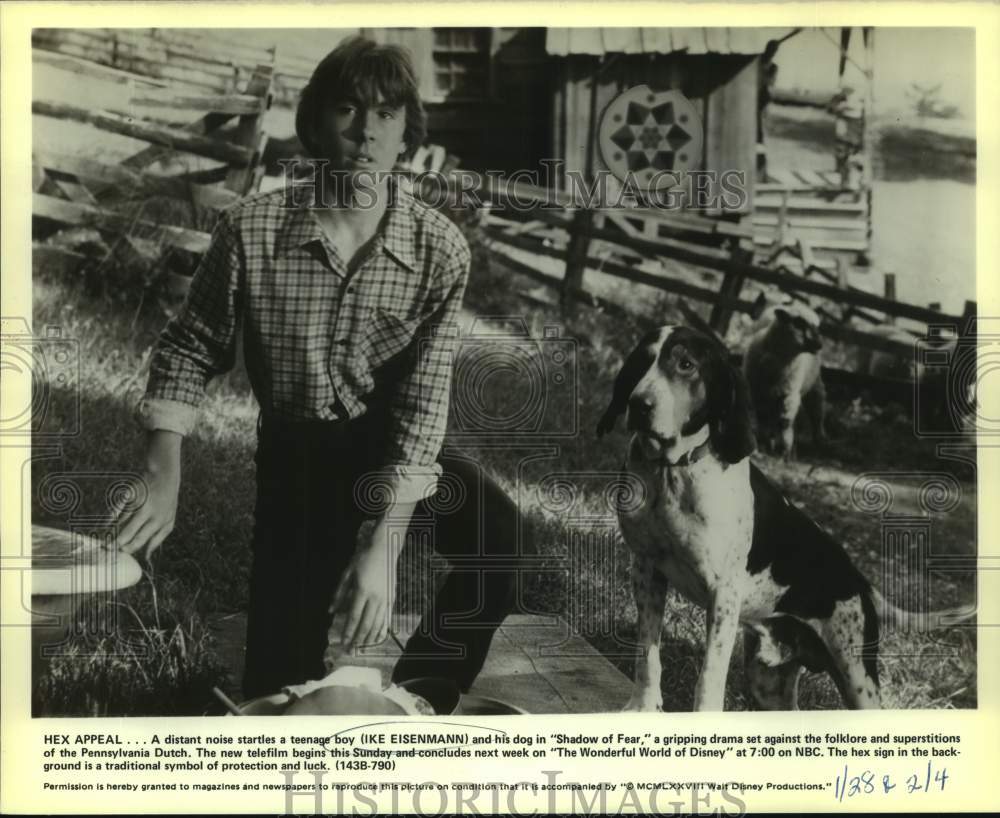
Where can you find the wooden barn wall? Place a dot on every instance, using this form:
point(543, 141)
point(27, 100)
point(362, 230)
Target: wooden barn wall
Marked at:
point(419, 42)
point(723, 89)
point(509, 128)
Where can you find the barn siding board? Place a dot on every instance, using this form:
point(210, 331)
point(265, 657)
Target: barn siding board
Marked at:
point(716, 40)
point(731, 136)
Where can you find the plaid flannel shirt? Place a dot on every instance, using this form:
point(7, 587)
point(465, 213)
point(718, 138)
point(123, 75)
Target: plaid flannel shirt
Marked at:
point(315, 336)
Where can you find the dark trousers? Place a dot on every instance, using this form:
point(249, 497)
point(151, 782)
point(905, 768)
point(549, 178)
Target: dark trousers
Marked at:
point(306, 521)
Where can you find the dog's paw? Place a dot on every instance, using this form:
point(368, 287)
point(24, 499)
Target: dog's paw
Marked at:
point(643, 702)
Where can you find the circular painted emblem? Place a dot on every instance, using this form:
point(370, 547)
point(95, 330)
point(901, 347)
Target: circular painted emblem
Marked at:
point(650, 136)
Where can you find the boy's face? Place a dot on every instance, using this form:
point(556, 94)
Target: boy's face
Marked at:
point(362, 138)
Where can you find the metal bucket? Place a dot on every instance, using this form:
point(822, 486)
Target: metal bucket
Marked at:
point(472, 705)
point(441, 694)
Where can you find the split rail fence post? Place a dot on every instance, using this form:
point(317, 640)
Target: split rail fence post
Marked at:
point(576, 253)
point(732, 285)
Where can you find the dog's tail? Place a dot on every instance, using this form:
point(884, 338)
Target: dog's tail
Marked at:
point(919, 621)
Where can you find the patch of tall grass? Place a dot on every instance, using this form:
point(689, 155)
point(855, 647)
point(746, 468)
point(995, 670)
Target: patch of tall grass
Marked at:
point(150, 655)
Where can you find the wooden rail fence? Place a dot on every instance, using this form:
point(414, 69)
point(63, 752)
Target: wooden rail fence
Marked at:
point(196, 59)
point(80, 191)
point(557, 229)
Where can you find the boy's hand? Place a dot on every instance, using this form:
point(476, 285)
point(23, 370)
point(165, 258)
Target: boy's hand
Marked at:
point(147, 526)
point(368, 587)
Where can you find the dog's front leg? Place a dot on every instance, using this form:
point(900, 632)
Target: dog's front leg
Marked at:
point(723, 620)
point(650, 589)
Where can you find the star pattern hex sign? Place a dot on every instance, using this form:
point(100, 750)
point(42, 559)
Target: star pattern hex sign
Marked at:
point(650, 136)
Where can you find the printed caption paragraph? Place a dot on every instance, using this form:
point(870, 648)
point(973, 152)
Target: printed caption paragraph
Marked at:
point(390, 760)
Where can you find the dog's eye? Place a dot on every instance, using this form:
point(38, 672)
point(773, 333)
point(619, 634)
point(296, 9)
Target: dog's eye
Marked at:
point(685, 365)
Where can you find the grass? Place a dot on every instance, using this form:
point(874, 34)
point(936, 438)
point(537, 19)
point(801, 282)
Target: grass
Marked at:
point(157, 660)
point(203, 568)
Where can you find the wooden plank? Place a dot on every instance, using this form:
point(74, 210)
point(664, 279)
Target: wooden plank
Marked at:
point(668, 284)
point(819, 264)
point(569, 199)
point(203, 125)
point(828, 329)
point(235, 104)
point(202, 195)
point(578, 676)
point(766, 239)
point(576, 252)
point(802, 223)
point(772, 201)
point(535, 662)
point(668, 234)
point(168, 137)
point(801, 96)
point(521, 228)
point(521, 268)
point(605, 265)
point(206, 176)
point(200, 77)
point(623, 222)
point(732, 286)
point(123, 46)
point(529, 243)
point(58, 210)
point(243, 176)
point(810, 178)
point(76, 192)
point(213, 59)
point(237, 50)
point(731, 130)
point(139, 66)
point(779, 181)
point(224, 74)
point(782, 280)
point(91, 69)
point(55, 260)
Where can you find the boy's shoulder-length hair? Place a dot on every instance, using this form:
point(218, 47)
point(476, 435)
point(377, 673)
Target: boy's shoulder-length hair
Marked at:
point(362, 70)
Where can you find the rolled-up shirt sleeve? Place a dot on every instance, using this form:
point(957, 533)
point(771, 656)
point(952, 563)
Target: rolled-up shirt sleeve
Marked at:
point(200, 342)
point(418, 409)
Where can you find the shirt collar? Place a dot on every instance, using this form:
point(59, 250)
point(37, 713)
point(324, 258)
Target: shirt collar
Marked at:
point(399, 235)
point(398, 232)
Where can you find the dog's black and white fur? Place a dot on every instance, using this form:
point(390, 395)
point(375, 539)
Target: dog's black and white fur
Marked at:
point(727, 539)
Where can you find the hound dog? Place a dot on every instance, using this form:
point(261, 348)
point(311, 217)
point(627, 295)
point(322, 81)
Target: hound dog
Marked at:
point(727, 538)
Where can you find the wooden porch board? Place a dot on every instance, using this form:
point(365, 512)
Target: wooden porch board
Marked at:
point(535, 662)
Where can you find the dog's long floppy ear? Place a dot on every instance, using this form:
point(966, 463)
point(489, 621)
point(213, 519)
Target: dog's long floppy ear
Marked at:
point(636, 365)
point(731, 426)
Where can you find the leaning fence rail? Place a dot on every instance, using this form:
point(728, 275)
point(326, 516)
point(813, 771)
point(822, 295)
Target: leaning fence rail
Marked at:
point(559, 228)
point(76, 191)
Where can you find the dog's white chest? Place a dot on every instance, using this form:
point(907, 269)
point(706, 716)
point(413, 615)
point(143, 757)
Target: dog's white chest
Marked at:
point(696, 524)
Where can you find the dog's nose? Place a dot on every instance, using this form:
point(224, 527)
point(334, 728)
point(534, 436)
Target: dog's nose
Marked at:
point(640, 406)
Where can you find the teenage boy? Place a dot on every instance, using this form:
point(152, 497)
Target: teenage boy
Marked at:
point(346, 291)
